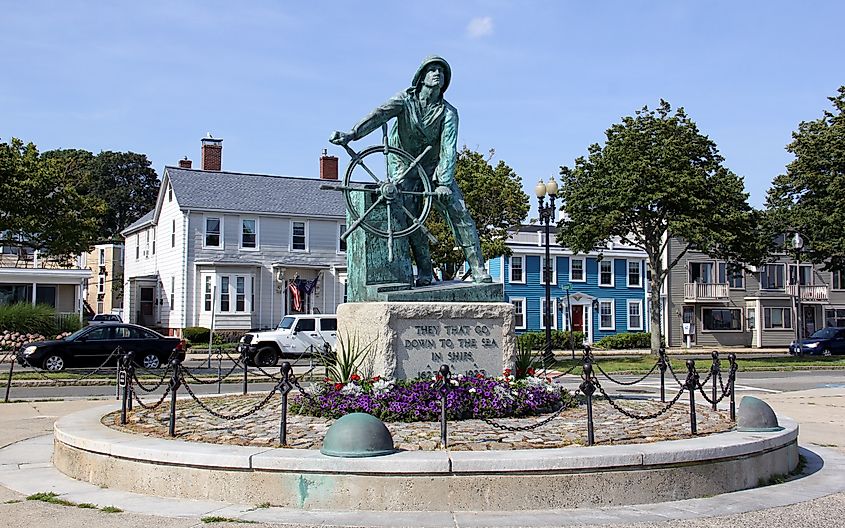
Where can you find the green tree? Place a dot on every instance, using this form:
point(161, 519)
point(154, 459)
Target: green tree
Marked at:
point(496, 202)
point(656, 175)
point(44, 206)
point(810, 195)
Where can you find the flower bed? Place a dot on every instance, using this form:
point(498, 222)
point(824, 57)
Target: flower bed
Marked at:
point(419, 400)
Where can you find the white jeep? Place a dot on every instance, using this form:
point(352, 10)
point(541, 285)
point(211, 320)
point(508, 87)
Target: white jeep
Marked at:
point(296, 336)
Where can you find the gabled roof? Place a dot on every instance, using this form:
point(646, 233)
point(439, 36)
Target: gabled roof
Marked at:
point(254, 193)
point(238, 192)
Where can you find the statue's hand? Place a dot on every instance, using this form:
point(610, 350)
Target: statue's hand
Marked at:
point(340, 138)
point(443, 192)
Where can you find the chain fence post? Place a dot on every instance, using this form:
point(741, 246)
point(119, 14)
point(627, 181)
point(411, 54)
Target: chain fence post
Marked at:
point(662, 365)
point(714, 375)
point(285, 385)
point(130, 374)
point(117, 390)
point(444, 391)
point(12, 362)
point(732, 384)
point(246, 371)
point(692, 385)
point(588, 388)
point(175, 382)
point(123, 387)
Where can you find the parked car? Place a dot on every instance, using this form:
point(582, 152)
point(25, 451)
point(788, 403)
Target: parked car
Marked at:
point(92, 345)
point(105, 318)
point(825, 342)
point(296, 336)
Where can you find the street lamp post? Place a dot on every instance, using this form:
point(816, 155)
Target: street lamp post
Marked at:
point(547, 213)
point(798, 245)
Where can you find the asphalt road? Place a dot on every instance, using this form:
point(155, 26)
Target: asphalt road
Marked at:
point(747, 382)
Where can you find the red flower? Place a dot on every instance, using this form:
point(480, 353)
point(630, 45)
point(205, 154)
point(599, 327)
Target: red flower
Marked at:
point(531, 371)
point(439, 377)
point(479, 376)
point(327, 379)
point(507, 372)
point(354, 377)
point(338, 386)
point(376, 378)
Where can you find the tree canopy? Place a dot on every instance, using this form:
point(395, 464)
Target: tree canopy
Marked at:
point(43, 204)
point(657, 174)
point(810, 196)
point(496, 202)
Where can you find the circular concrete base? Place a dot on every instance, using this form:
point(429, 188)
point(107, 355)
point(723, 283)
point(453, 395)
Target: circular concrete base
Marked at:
point(536, 479)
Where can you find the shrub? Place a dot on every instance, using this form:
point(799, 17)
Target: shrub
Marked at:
point(625, 340)
point(26, 318)
point(196, 334)
point(560, 340)
point(69, 323)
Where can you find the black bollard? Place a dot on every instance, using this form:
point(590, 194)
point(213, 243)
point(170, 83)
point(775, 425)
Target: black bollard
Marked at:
point(732, 384)
point(692, 385)
point(175, 383)
point(9, 380)
point(246, 371)
point(117, 390)
point(130, 373)
point(714, 375)
point(662, 365)
point(123, 386)
point(219, 368)
point(285, 386)
point(444, 391)
point(588, 388)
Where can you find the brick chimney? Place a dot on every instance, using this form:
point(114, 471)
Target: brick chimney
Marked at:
point(185, 163)
point(212, 153)
point(328, 166)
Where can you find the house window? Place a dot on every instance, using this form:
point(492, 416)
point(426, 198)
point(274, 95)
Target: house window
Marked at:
point(607, 319)
point(173, 234)
point(777, 318)
point(517, 272)
point(805, 274)
point(838, 280)
point(341, 243)
point(102, 259)
point(751, 318)
point(249, 233)
point(635, 274)
point(736, 277)
point(172, 291)
point(251, 293)
point(298, 236)
point(100, 307)
point(722, 319)
point(701, 273)
point(519, 313)
point(153, 247)
point(552, 315)
point(577, 274)
point(224, 294)
point(138, 246)
point(552, 271)
point(635, 314)
point(101, 284)
point(212, 232)
point(834, 317)
point(207, 294)
point(606, 273)
point(771, 277)
point(240, 294)
point(169, 193)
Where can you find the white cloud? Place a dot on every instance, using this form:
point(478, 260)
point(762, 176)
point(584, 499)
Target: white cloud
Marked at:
point(480, 27)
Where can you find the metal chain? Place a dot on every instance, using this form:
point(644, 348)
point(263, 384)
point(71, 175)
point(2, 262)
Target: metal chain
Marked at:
point(271, 376)
point(158, 384)
point(618, 382)
point(680, 383)
point(209, 382)
point(514, 428)
point(635, 416)
point(302, 391)
point(156, 404)
point(721, 382)
point(709, 375)
point(224, 416)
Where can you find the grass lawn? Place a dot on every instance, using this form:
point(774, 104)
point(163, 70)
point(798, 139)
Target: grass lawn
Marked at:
point(642, 364)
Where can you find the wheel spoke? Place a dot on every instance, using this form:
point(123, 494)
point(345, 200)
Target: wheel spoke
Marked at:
point(412, 166)
point(389, 233)
point(416, 221)
point(419, 193)
point(346, 188)
point(360, 219)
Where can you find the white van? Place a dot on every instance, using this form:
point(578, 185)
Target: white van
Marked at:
point(296, 336)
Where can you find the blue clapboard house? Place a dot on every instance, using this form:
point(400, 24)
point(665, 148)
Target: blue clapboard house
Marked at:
point(605, 294)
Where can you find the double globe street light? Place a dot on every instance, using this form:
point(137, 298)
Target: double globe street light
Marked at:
point(547, 213)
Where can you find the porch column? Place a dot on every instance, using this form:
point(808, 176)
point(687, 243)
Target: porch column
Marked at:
point(34, 288)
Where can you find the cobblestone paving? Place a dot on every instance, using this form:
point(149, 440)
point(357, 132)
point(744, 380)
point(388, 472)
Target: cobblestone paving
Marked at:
point(569, 429)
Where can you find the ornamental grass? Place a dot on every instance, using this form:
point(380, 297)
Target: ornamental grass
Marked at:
point(419, 400)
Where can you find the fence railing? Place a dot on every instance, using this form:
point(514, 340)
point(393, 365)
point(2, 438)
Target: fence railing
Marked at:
point(697, 291)
point(809, 292)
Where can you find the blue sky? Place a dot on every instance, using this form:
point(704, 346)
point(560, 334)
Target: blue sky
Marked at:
point(536, 81)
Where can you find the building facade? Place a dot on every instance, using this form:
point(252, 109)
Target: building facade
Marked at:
point(234, 251)
point(604, 293)
point(713, 303)
point(104, 292)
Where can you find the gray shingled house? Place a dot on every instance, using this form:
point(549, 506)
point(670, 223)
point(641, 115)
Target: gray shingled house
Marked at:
point(249, 248)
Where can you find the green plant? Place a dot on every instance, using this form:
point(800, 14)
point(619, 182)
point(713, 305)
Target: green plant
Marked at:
point(52, 498)
point(625, 340)
point(196, 334)
point(346, 359)
point(218, 519)
point(560, 340)
point(28, 318)
point(110, 509)
point(68, 323)
point(524, 361)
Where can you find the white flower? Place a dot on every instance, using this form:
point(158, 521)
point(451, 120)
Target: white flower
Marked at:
point(454, 382)
point(472, 390)
point(502, 392)
point(382, 386)
point(351, 388)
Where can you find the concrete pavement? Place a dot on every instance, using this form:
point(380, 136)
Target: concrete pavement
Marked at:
point(821, 413)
